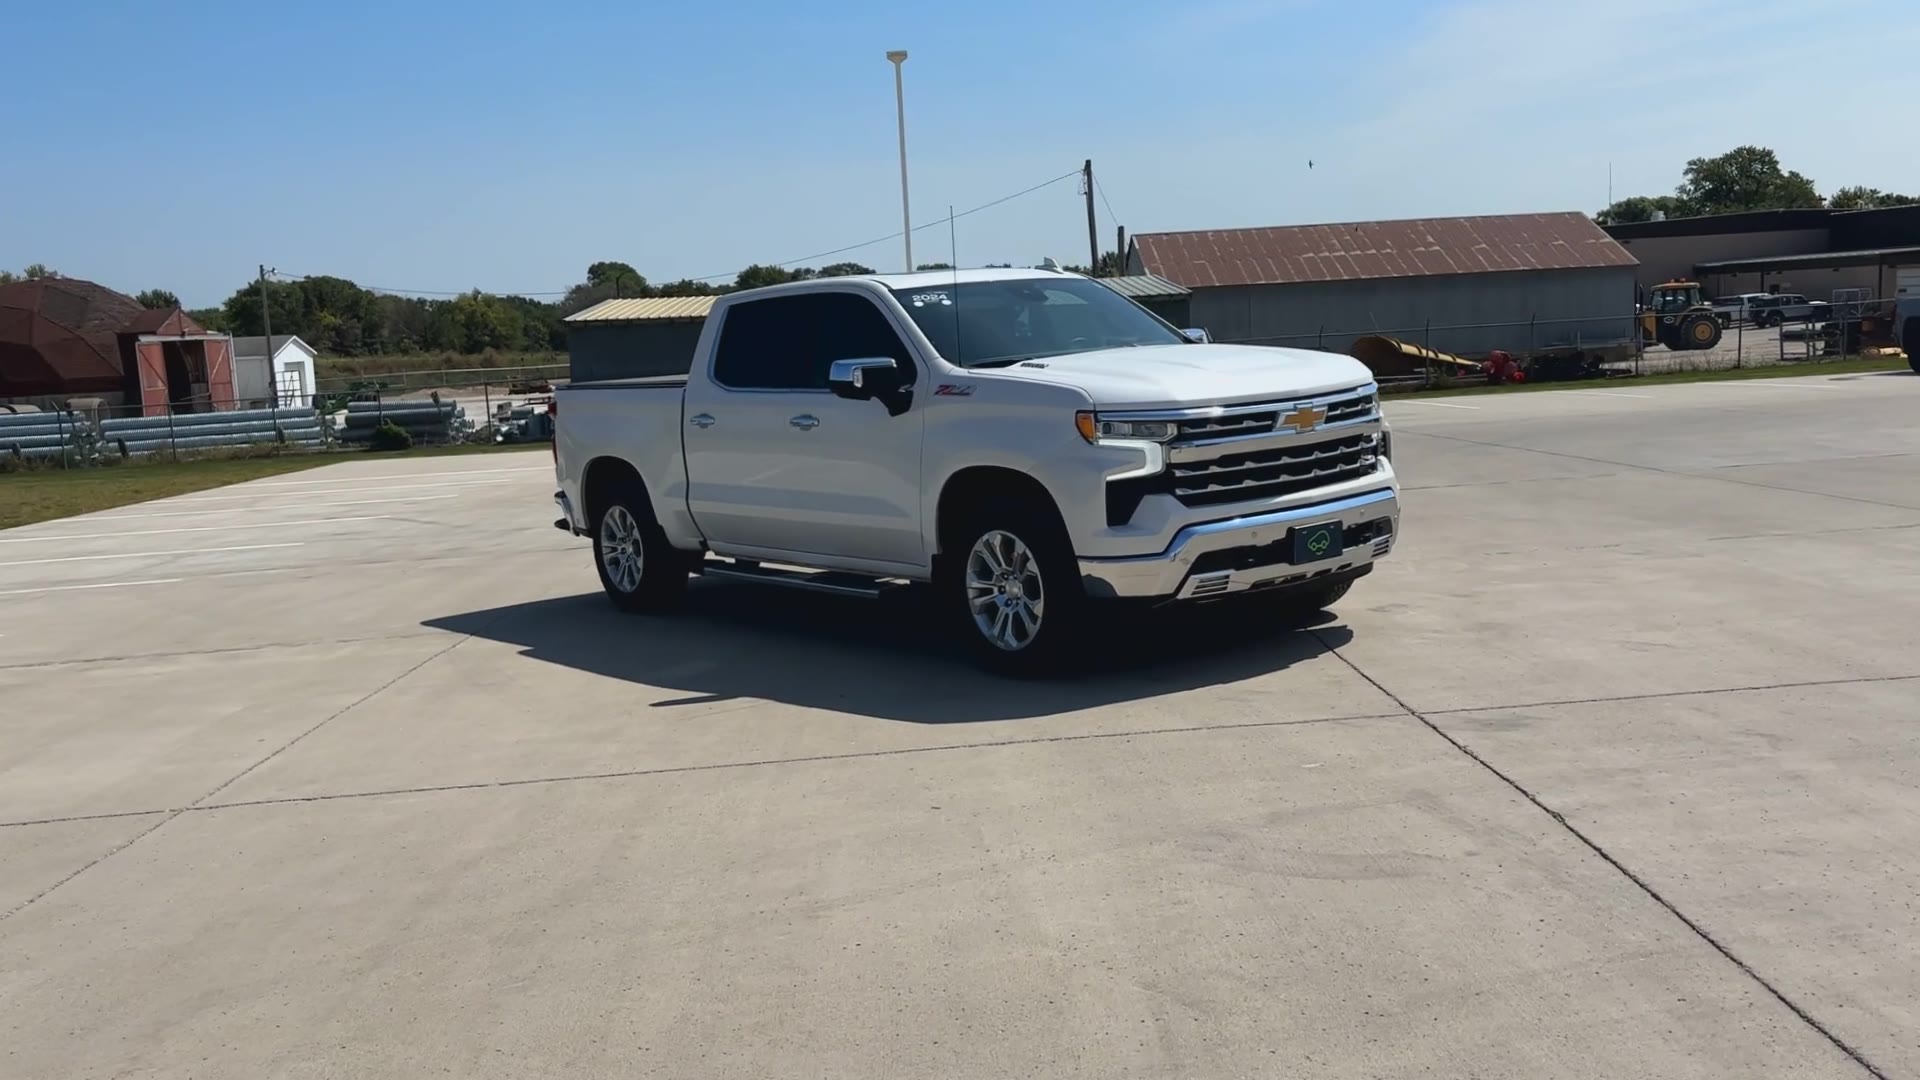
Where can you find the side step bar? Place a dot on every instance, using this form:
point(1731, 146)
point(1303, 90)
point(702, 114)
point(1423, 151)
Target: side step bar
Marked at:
point(825, 581)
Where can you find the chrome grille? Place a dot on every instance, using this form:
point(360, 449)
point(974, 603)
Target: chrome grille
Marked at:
point(1243, 421)
point(1263, 474)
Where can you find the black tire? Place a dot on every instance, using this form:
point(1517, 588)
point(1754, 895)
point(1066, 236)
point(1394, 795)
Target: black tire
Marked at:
point(1700, 332)
point(624, 528)
point(1910, 341)
point(1033, 553)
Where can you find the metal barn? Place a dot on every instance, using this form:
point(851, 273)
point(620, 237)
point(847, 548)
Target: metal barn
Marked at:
point(628, 339)
point(1516, 282)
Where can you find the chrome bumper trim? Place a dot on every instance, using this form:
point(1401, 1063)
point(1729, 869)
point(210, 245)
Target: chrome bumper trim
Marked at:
point(1169, 574)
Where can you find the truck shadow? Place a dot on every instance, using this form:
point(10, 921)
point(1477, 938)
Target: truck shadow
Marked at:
point(884, 659)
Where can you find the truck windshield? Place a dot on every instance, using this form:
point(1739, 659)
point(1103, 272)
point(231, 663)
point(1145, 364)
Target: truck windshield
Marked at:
point(996, 323)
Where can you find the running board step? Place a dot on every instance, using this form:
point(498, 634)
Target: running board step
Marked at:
point(826, 581)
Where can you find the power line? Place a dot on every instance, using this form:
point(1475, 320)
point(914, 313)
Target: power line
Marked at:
point(896, 234)
point(1104, 202)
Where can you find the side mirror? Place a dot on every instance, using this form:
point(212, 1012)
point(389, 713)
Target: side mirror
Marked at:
point(863, 379)
point(1197, 335)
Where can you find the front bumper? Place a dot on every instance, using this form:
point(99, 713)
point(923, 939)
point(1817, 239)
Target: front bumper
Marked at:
point(1218, 558)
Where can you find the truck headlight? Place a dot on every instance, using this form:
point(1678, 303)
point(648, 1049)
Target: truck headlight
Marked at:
point(1093, 428)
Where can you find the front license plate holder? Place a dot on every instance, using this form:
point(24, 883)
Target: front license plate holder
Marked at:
point(1317, 543)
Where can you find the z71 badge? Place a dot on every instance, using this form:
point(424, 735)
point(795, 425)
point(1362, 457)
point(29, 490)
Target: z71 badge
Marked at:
point(953, 390)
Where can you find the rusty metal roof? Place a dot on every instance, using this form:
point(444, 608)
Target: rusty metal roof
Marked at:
point(646, 309)
point(60, 336)
point(1366, 250)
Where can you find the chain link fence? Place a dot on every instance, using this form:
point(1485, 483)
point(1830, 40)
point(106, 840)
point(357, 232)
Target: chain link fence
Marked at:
point(1616, 345)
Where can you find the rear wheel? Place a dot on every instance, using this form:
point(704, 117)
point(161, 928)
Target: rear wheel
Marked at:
point(639, 570)
point(1700, 331)
point(1012, 589)
point(1910, 340)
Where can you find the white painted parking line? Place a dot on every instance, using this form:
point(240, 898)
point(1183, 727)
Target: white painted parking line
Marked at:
point(397, 476)
point(99, 585)
point(1436, 405)
point(338, 491)
point(1609, 393)
point(270, 509)
point(1769, 384)
point(155, 554)
point(189, 529)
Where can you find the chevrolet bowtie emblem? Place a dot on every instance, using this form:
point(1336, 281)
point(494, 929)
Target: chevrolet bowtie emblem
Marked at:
point(1304, 418)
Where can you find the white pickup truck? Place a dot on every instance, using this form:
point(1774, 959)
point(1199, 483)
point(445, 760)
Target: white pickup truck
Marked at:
point(1030, 442)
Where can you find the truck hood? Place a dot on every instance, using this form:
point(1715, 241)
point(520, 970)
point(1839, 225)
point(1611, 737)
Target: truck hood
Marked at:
point(1179, 376)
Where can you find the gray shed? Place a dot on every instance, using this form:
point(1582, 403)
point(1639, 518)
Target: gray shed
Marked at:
point(1517, 282)
point(626, 339)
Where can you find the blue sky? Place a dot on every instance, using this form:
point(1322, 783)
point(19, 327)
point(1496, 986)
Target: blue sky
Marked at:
point(442, 146)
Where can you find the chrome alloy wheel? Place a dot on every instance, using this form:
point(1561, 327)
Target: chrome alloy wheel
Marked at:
point(621, 548)
point(1004, 590)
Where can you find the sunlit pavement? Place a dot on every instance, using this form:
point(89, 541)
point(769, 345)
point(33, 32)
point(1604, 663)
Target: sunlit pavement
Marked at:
point(1609, 772)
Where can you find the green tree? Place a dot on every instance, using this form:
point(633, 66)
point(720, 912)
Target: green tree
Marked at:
point(934, 266)
point(1640, 208)
point(1110, 265)
point(844, 269)
point(1866, 198)
point(689, 287)
point(1744, 178)
point(758, 275)
point(242, 310)
point(36, 271)
point(212, 319)
point(622, 279)
point(156, 299)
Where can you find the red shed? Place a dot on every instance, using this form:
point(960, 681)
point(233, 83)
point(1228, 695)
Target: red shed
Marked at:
point(64, 337)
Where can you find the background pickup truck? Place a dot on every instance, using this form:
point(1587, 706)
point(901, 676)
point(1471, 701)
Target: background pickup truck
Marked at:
point(1029, 442)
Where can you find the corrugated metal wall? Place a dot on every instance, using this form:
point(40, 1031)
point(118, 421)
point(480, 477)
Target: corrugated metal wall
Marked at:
point(630, 350)
point(1564, 307)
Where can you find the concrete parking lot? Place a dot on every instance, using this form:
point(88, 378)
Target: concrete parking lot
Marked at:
point(1610, 772)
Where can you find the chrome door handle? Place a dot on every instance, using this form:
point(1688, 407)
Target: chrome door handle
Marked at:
point(700, 420)
point(805, 422)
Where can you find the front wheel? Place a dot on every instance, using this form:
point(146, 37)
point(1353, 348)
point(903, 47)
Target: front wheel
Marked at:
point(1910, 341)
point(639, 569)
point(1013, 588)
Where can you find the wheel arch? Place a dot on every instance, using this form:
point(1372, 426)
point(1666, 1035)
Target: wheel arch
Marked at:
point(600, 479)
point(974, 484)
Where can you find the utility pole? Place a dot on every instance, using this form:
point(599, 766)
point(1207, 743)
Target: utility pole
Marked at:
point(898, 57)
point(266, 327)
point(1093, 237)
point(1120, 249)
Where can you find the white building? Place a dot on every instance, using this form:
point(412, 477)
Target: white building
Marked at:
point(291, 380)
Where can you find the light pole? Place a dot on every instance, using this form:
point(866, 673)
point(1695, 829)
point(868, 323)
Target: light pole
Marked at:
point(899, 57)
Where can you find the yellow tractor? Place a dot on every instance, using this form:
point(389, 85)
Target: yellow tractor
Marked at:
point(1675, 315)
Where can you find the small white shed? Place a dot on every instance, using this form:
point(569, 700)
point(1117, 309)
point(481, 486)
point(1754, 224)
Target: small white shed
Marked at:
point(285, 378)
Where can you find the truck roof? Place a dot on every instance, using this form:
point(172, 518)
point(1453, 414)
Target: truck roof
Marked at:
point(923, 278)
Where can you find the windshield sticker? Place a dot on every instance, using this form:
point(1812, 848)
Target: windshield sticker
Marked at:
point(922, 299)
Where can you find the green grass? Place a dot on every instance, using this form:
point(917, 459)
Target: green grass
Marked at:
point(1854, 366)
point(43, 494)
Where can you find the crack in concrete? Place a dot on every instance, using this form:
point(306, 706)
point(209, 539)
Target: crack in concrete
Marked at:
point(1858, 1057)
point(1758, 687)
point(201, 806)
point(170, 815)
point(222, 651)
